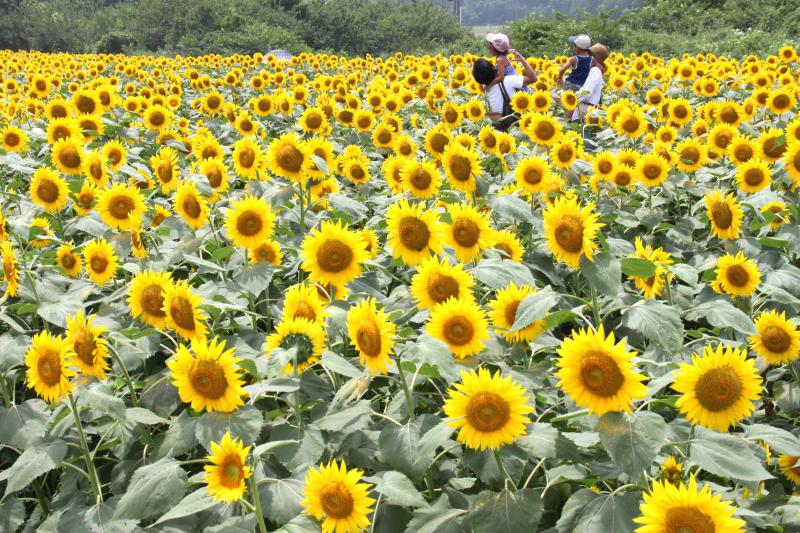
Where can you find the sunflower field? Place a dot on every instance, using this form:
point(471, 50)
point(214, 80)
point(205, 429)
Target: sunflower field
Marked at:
point(243, 294)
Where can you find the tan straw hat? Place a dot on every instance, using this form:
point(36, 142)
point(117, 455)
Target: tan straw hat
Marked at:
point(599, 51)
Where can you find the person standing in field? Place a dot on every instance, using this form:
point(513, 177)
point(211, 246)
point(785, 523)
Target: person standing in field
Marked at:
point(579, 64)
point(499, 94)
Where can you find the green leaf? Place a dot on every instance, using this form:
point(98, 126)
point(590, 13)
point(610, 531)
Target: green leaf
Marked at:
point(603, 273)
point(355, 211)
point(12, 514)
point(656, 321)
point(544, 441)
point(350, 418)
point(409, 449)
point(200, 262)
point(573, 509)
point(610, 513)
point(308, 447)
point(154, 489)
point(179, 438)
point(101, 401)
point(398, 489)
point(685, 273)
point(506, 511)
point(24, 424)
point(638, 267)
point(340, 365)
point(725, 455)
point(254, 278)
point(512, 208)
point(632, 440)
point(778, 439)
point(144, 416)
point(281, 498)
point(534, 307)
point(243, 423)
point(32, 463)
point(722, 314)
point(438, 518)
point(498, 273)
point(263, 449)
point(193, 503)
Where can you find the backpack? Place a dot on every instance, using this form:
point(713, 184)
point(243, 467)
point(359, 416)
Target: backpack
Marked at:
point(509, 116)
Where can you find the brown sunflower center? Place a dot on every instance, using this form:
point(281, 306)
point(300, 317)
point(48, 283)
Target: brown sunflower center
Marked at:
point(737, 275)
point(49, 367)
point(420, 178)
point(652, 171)
point(630, 124)
point(85, 346)
point(754, 177)
point(47, 190)
point(213, 101)
point(265, 253)
point(69, 157)
point(290, 158)
point(120, 206)
point(85, 104)
point(776, 339)
point(209, 151)
point(439, 142)
point(680, 112)
point(774, 147)
point(68, 261)
point(164, 171)
point(781, 101)
point(336, 500)
point(247, 157)
point(192, 206)
point(368, 337)
point(623, 178)
point(414, 233)
point(334, 256)
point(721, 215)
point(384, 136)
point(246, 125)
point(12, 139)
point(451, 115)
point(718, 389)
point(600, 374)
point(544, 131)
point(458, 330)
point(466, 232)
point(605, 166)
point(304, 310)
point(157, 118)
point(182, 313)
point(487, 412)
point(357, 173)
point(490, 141)
point(232, 473)
point(510, 312)
point(565, 153)
point(59, 111)
point(743, 153)
point(114, 156)
point(533, 175)
point(214, 177)
point(99, 264)
point(208, 378)
point(690, 155)
point(442, 287)
point(569, 234)
point(152, 300)
point(722, 140)
point(249, 223)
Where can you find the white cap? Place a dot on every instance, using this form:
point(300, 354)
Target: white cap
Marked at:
point(582, 41)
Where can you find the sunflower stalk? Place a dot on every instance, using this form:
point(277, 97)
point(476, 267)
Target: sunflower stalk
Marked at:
point(503, 471)
point(262, 526)
point(87, 455)
point(406, 391)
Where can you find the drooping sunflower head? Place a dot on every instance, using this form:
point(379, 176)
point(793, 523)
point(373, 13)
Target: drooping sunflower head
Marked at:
point(146, 297)
point(10, 270)
point(333, 254)
point(47, 361)
point(190, 206)
point(725, 215)
point(83, 338)
point(305, 339)
point(509, 245)
point(336, 495)
point(736, 275)
point(182, 311)
point(100, 259)
point(413, 232)
point(503, 313)
point(597, 373)
point(461, 324)
point(789, 466)
point(250, 221)
point(165, 168)
point(210, 379)
point(718, 388)
point(778, 339)
point(228, 471)
point(372, 334)
point(777, 213)
point(571, 229)
point(671, 508)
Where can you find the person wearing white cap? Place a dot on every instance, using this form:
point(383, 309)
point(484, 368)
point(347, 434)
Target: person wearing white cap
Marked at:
point(580, 63)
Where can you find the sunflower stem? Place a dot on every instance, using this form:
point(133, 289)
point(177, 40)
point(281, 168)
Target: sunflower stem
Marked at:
point(262, 526)
point(296, 394)
point(406, 391)
point(128, 381)
point(37, 488)
point(650, 198)
point(595, 308)
point(87, 456)
point(503, 471)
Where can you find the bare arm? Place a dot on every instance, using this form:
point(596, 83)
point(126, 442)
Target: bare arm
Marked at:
point(566, 66)
point(528, 75)
point(502, 62)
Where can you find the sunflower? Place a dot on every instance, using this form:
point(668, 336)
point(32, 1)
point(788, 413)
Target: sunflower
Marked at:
point(652, 286)
point(371, 242)
point(736, 275)
point(597, 373)
point(303, 301)
point(791, 160)
point(788, 465)
point(504, 312)
point(436, 281)
point(48, 190)
point(216, 173)
point(245, 125)
point(356, 170)
point(210, 379)
point(67, 259)
point(48, 360)
point(543, 129)
point(461, 324)
point(778, 339)
point(313, 120)
point(268, 251)
point(157, 117)
point(182, 311)
point(720, 137)
point(741, 149)
point(420, 178)
point(165, 167)
point(40, 232)
point(631, 123)
point(249, 222)
point(437, 139)
point(383, 136)
point(779, 211)
point(14, 139)
point(725, 215)
point(119, 205)
point(146, 297)
point(452, 114)
point(781, 101)
point(248, 158)
point(213, 103)
point(90, 349)
point(461, 166)
point(68, 156)
point(652, 170)
point(469, 233)
point(63, 128)
point(10, 271)
point(532, 173)
point(669, 508)
point(404, 146)
point(227, 474)
point(335, 495)
point(333, 254)
point(413, 232)
point(719, 388)
point(190, 206)
point(115, 153)
point(753, 176)
point(101, 261)
point(691, 154)
point(372, 334)
point(95, 169)
point(771, 145)
point(363, 120)
point(319, 149)
point(605, 165)
point(487, 138)
point(305, 337)
point(571, 229)
point(288, 158)
point(509, 245)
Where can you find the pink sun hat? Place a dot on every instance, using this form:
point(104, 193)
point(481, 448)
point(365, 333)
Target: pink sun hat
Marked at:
point(499, 41)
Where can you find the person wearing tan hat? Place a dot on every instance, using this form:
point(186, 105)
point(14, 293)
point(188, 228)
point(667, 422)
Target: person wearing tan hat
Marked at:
point(579, 63)
point(591, 92)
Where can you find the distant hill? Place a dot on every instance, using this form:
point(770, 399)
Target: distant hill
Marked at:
point(500, 12)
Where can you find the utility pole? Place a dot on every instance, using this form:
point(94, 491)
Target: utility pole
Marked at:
point(457, 10)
